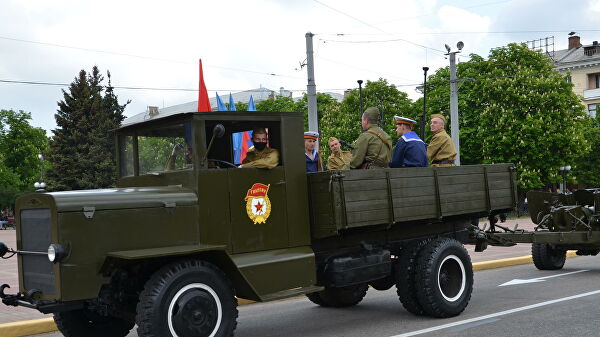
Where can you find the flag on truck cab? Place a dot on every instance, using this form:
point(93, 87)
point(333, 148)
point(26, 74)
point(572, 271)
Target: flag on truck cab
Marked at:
point(243, 143)
point(251, 106)
point(220, 105)
point(231, 104)
point(203, 102)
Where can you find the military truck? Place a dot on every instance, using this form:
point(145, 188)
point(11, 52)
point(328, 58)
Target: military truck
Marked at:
point(186, 232)
point(565, 221)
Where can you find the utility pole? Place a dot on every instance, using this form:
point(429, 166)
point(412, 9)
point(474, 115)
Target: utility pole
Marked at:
point(311, 88)
point(454, 100)
point(424, 102)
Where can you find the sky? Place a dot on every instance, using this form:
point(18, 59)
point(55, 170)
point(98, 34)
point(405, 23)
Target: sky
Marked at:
point(255, 43)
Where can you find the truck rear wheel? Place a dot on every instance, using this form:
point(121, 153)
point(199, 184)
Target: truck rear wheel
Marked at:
point(405, 278)
point(339, 297)
point(445, 277)
point(546, 257)
point(84, 322)
point(187, 298)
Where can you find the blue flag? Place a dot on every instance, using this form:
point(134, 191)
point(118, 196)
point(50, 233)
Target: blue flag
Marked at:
point(231, 104)
point(251, 106)
point(220, 105)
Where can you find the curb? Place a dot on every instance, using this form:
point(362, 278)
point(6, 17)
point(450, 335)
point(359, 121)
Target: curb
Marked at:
point(38, 326)
point(24, 328)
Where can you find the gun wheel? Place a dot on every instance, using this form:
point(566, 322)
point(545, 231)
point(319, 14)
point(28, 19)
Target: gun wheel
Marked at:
point(546, 257)
point(187, 298)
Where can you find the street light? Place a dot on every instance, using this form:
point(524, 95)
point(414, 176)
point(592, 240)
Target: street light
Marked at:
point(424, 102)
point(564, 170)
point(360, 82)
point(41, 185)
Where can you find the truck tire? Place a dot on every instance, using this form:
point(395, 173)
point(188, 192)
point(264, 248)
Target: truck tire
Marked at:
point(84, 322)
point(405, 278)
point(187, 298)
point(546, 257)
point(339, 297)
point(445, 277)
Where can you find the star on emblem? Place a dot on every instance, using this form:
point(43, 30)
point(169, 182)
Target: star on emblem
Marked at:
point(258, 206)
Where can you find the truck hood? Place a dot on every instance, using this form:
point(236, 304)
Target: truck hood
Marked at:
point(121, 198)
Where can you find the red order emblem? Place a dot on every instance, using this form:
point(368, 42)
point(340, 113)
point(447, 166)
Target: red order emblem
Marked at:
point(258, 205)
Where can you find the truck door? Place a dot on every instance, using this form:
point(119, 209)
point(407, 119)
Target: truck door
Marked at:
point(258, 209)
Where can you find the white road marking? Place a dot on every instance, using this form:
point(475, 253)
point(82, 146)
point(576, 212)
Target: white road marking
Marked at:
point(497, 314)
point(537, 279)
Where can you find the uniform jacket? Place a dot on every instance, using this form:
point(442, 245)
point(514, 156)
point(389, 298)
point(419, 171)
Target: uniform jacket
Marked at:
point(410, 151)
point(441, 147)
point(267, 158)
point(338, 160)
point(370, 148)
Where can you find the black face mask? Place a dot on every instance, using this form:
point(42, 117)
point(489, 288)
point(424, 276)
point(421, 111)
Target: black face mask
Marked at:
point(260, 146)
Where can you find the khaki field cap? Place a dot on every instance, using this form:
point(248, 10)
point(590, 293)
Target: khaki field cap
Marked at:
point(440, 116)
point(371, 114)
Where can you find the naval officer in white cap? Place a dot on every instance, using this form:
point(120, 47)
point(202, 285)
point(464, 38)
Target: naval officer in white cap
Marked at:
point(410, 150)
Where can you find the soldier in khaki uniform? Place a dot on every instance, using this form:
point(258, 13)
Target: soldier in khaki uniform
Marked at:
point(338, 158)
point(373, 148)
point(260, 155)
point(441, 150)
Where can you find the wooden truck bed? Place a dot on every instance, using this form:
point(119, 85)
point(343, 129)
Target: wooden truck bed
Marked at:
point(341, 200)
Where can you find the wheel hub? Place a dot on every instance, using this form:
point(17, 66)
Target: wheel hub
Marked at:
point(195, 313)
point(451, 278)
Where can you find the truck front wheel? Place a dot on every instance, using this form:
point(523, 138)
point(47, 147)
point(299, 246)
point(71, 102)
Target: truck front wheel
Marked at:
point(187, 298)
point(546, 257)
point(339, 297)
point(84, 322)
point(445, 277)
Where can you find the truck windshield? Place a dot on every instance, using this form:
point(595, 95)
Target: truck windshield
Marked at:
point(166, 148)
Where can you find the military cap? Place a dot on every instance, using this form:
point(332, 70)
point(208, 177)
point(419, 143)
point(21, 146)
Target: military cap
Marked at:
point(404, 120)
point(311, 135)
point(440, 116)
point(371, 114)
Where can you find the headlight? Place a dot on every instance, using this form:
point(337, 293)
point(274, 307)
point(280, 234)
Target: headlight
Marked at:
point(56, 253)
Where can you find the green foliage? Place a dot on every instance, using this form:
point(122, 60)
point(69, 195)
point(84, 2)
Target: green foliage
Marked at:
point(82, 149)
point(343, 121)
point(517, 109)
point(20, 144)
point(586, 168)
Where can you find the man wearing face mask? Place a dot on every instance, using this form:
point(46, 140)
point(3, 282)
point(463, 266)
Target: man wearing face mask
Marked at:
point(260, 155)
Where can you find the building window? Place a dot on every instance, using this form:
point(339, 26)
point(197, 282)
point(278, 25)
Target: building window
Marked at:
point(594, 81)
point(569, 78)
point(597, 77)
point(592, 110)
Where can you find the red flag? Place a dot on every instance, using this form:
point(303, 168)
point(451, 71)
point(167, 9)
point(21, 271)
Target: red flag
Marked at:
point(203, 101)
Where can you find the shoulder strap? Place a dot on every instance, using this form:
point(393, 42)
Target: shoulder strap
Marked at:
point(380, 138)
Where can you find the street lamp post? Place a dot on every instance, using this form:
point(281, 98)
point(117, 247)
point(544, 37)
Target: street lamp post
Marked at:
point(360, 95)
point(564, 171)
point(424, 102)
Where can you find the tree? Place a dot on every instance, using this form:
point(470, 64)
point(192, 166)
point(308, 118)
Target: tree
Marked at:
point(82, 149)
point(343, 121)
point(516, 108)
point(586, 167)
point(20, 145)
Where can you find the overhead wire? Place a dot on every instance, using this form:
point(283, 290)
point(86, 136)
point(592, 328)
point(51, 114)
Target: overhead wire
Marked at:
point(145, 57)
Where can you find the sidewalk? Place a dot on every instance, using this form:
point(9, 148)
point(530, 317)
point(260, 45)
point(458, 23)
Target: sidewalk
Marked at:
point(8, 268)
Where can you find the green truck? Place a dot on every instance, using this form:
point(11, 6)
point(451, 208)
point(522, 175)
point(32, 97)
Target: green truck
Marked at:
point(187, 233)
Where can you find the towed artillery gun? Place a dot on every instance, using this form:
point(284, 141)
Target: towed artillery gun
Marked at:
point(563, 222)
point(174, 244)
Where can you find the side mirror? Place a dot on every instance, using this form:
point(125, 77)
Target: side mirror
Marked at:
point(218, 130)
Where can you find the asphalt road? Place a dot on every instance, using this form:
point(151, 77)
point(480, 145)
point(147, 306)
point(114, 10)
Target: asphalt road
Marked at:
point(564, 303)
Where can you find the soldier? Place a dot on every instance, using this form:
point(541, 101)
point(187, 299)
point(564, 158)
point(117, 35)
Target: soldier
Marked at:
point(441, 150)
point(338, 158)
point(260, 155)
point(311, 154)
point(373, 148)
point(410, 150)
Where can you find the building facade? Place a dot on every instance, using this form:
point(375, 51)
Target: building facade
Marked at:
point(582, 63)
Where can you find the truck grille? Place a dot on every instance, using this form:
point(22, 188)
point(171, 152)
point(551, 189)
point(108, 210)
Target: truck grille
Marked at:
point(35, 237)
